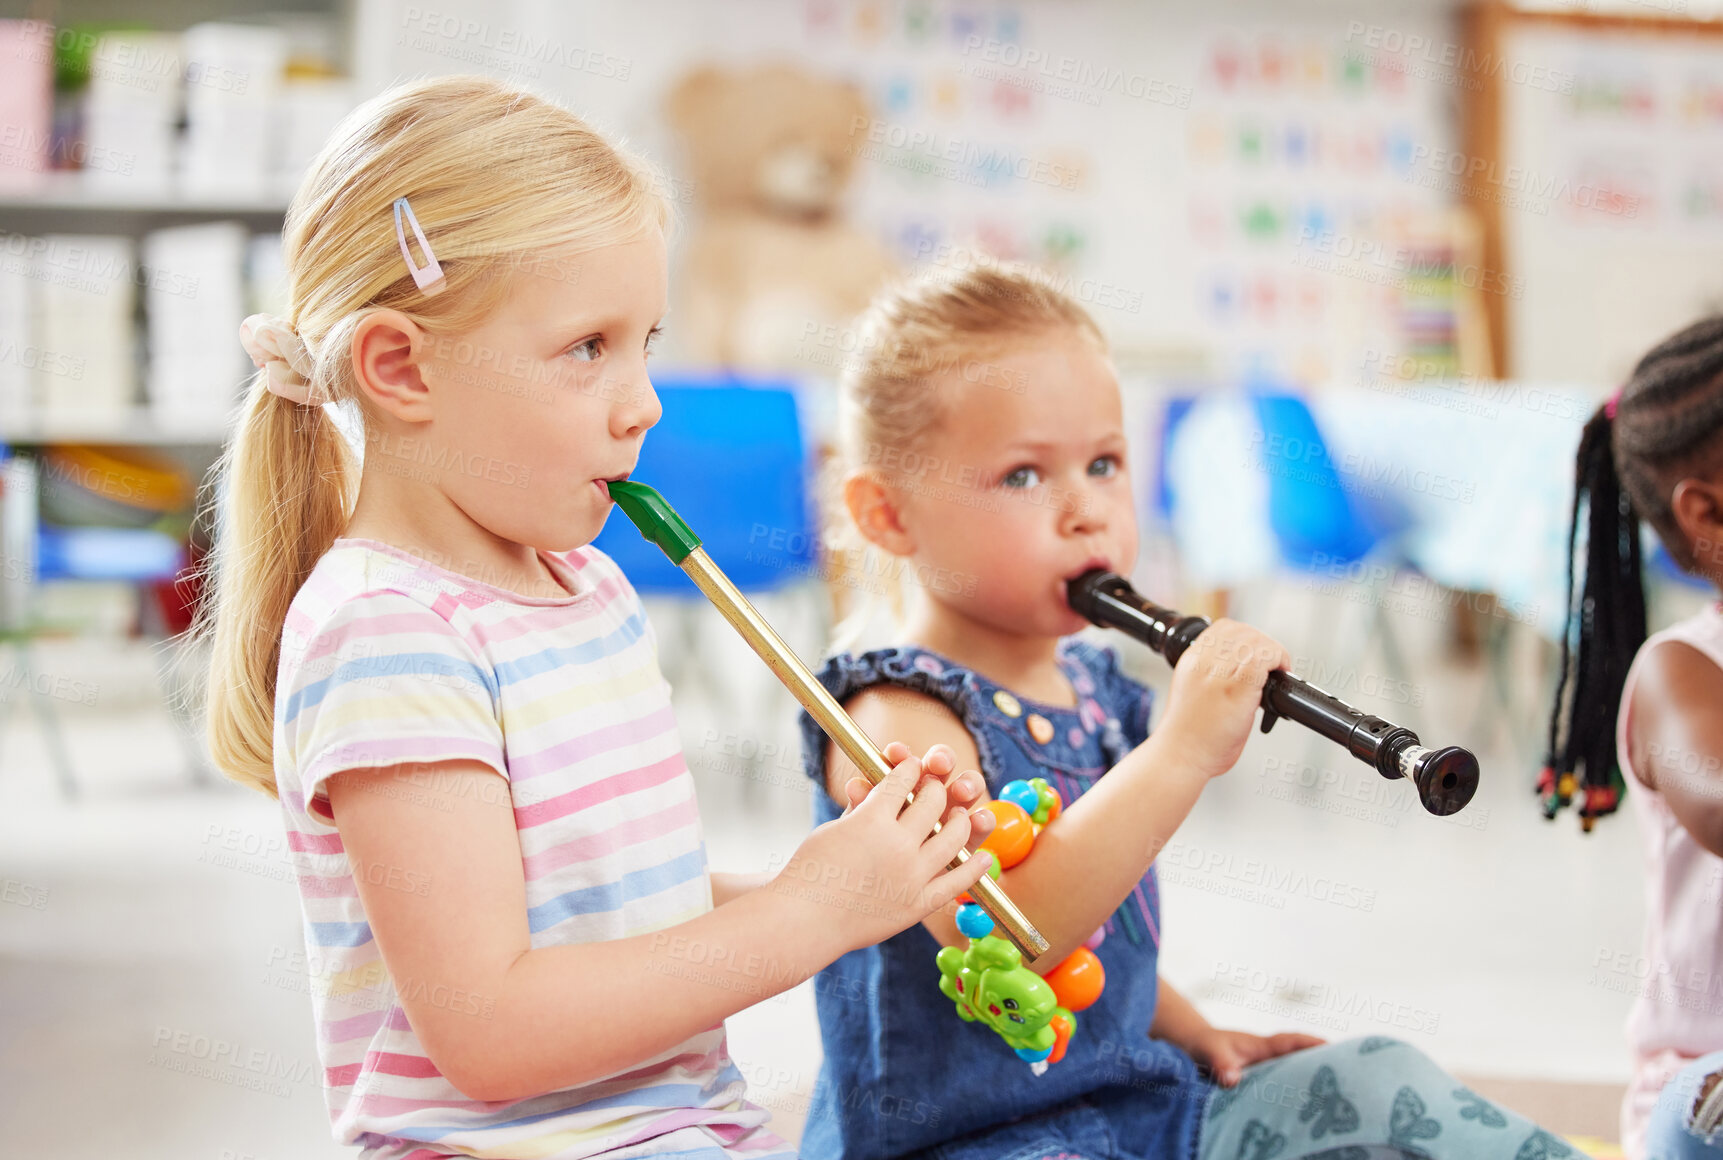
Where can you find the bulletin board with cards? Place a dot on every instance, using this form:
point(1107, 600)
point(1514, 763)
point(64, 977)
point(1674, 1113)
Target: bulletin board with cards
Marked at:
point(1601, 186)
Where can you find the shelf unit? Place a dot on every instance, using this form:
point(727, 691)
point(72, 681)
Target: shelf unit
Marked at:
point(131, 218)
point(69, 203)
point(65, 204)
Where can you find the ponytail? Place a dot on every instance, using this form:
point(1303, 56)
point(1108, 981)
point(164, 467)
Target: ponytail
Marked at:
point(1609, 623)
point(287, 482)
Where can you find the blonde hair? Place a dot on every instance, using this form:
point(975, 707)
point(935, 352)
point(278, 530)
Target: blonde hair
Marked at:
point(913, 338)
point(495, 176)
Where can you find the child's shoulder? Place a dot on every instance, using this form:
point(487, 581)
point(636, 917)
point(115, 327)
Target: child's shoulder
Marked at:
point(1094, 668)
point(361, 602)
point(355, 577)
point(364, 597)
point(847, 674)
point(361, 571)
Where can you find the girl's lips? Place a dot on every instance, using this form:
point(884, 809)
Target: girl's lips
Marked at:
point(604, 484)
point(1089, 566)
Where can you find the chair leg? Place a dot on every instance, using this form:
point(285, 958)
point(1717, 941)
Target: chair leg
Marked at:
point(1351, 637)
point(49, 719)
point(1498, 701)
point(1395, 660)
point(57, 753)
point(1376, 626)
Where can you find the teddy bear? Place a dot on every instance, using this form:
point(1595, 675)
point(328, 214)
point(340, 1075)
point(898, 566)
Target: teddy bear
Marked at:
point(772, 275)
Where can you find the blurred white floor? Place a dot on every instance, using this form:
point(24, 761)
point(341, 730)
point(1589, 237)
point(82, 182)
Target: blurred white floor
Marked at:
point(148, 1008)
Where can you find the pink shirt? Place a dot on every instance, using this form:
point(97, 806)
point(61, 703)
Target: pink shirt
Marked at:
point(1678, 1015)
point(387, 658)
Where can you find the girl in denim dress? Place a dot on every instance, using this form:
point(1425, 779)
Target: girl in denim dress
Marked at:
point(982, 448)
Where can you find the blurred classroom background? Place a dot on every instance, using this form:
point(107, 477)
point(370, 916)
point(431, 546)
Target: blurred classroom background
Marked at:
point(1366, 267)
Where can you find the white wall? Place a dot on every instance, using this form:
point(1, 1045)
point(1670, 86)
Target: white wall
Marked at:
point(1162, 190)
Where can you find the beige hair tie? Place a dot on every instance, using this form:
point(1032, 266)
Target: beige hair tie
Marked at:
point(280, 353)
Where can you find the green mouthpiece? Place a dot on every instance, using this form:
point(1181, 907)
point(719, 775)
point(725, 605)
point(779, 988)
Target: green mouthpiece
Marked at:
point(655, 518)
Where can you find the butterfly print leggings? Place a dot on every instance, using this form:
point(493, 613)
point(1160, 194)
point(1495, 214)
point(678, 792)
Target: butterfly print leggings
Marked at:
point(1365, 1099)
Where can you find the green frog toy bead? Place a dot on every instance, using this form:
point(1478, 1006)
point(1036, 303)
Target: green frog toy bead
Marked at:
point(988, 981)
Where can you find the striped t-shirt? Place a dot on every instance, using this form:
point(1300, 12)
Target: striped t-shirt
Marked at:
point(387, 658)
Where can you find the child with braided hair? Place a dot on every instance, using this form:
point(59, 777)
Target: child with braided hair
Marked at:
point(1650, 708)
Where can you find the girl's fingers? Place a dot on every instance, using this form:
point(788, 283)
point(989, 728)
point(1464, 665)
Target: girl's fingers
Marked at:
point(981, 824)
point(888, 796)
point(939, 760)
point(929, 804)
point(953, 834)
point(855, 789)
point(954, 882)
point(967, 788)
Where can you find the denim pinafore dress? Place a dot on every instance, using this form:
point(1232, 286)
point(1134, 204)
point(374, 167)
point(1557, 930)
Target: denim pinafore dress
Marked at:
point(902, 1072)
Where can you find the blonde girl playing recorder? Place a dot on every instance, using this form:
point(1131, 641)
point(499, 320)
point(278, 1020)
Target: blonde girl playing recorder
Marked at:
point(517, 949)
point(1002, 385)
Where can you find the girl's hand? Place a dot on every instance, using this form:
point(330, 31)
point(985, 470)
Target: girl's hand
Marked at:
point(1217, 689)
point(880, 869)
point(1227, 1053)
point(967, 789)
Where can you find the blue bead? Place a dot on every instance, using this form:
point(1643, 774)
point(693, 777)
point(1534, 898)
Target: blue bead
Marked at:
point(973, 921)
point(1030, 1055)
point(1021, 793)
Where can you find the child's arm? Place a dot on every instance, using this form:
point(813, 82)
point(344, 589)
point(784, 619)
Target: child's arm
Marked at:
point(556, 1017)
point(1675, 737)
point(728, 885)
point(1104, 842)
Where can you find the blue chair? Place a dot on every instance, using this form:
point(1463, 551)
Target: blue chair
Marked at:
point(1178, 409)
point(1664, 567)
point(134, 554)
point(729, 456)
point(1314, 514)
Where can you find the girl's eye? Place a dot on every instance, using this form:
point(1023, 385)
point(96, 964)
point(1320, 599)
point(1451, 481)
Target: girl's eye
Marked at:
point(652, 337)
point(1105, 465)
point(1021, 477)
point(587, 349)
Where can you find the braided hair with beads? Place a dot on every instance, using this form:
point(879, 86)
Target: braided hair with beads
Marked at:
point(1664, 425)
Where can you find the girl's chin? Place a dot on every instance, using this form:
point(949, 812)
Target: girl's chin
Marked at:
point(1072, 622)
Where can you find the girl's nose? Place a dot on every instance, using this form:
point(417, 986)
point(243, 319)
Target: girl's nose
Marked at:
point(1080, 514)
point(636, 409)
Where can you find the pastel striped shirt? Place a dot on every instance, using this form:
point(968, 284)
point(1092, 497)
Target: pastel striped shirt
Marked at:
point(387, 658)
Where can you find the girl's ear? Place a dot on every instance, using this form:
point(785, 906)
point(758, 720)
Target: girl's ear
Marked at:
point(875, 510)
point(1698, 508)
point(387, 346)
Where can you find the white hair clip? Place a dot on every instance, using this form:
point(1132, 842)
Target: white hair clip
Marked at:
point(429, 277)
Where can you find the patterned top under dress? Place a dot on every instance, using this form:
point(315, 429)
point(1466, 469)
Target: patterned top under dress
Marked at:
point(387, 659)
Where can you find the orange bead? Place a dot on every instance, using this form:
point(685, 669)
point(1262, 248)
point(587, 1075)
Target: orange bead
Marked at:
point(1061, 1037)
point(1077, 981)
point(1013, 833)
